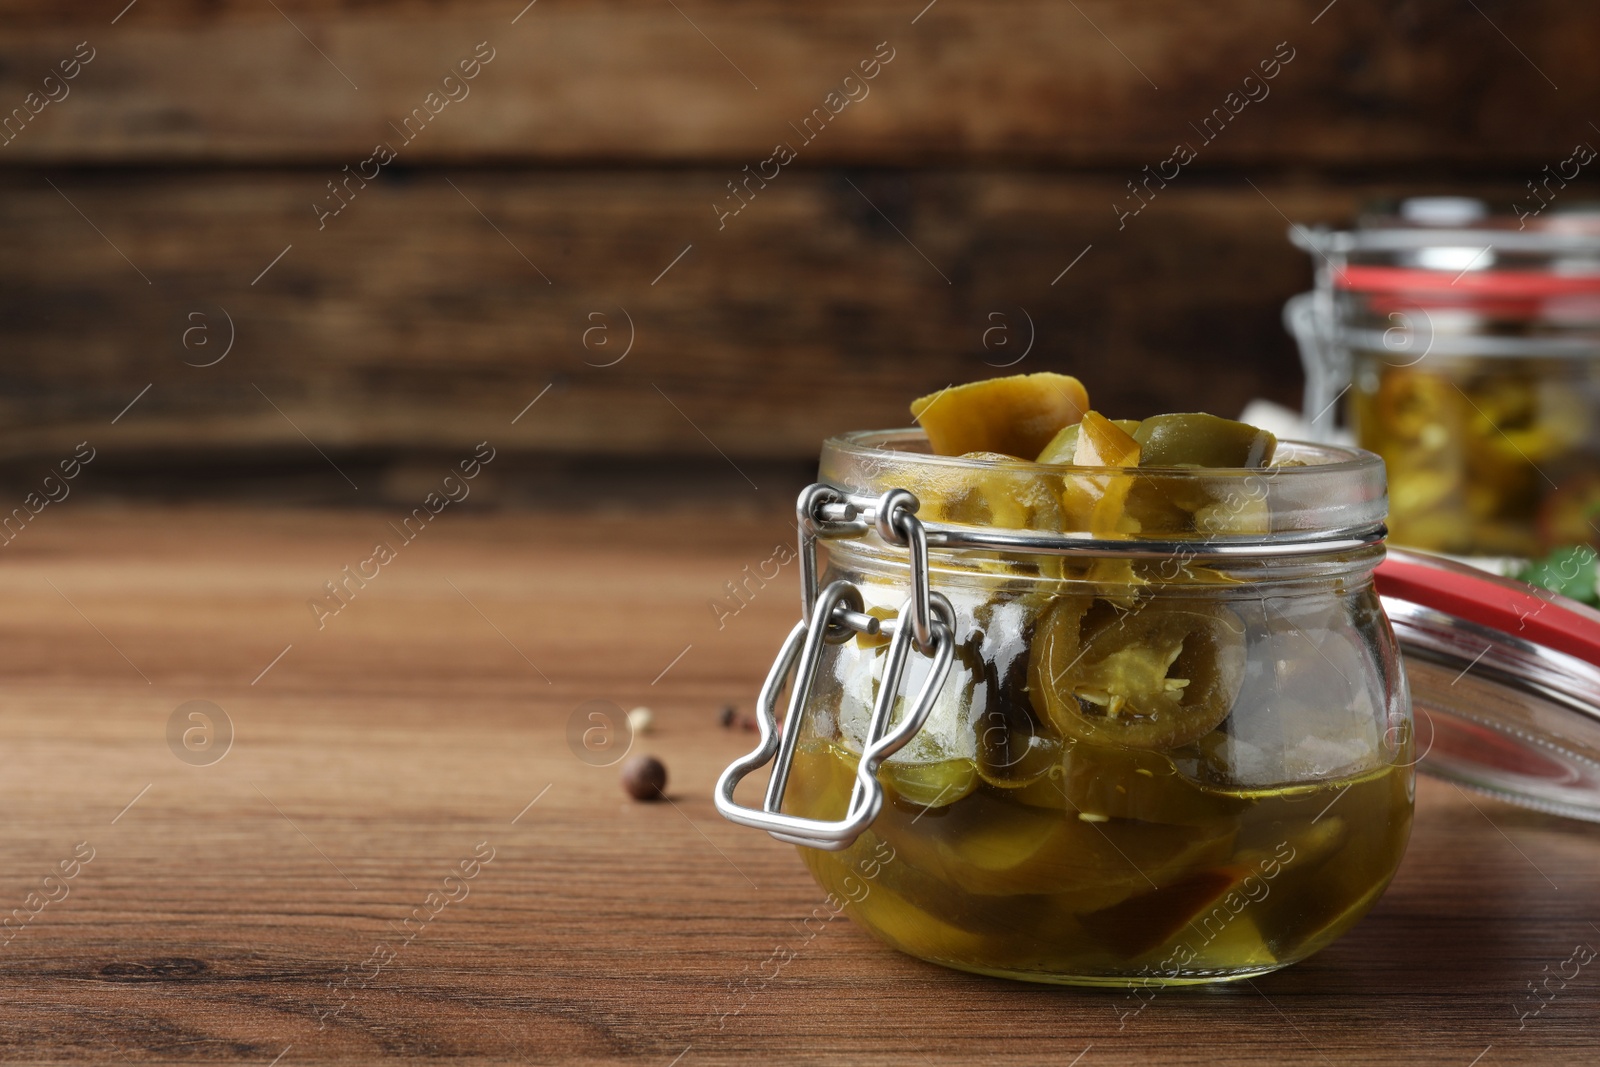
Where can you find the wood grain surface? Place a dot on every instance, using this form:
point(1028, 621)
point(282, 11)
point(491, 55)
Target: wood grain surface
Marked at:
point(224, 904)
point(1400, 81)
point(413, 321)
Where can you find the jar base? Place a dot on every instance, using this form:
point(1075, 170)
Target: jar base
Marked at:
point(1119, 981)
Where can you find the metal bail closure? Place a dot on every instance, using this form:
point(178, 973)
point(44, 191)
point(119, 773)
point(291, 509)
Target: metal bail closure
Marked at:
point(840, 604)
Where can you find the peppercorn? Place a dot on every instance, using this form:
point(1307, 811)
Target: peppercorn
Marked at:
point(644, 778)
point(729, 713)
point(639, 720)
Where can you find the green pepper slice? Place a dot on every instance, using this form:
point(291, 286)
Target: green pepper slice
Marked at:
point(1156, 676)
point(1016, 415)
point(929, 785)
point(1200, 440)
point(1064, 445)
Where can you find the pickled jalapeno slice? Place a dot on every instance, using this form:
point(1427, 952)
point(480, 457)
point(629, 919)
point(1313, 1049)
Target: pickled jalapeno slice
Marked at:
point(1098, 502)
point(1063, 447)
point(928, 785)
point(1156, 676)
point(1011, 500)
point(1199, 440)
point(1016, 416)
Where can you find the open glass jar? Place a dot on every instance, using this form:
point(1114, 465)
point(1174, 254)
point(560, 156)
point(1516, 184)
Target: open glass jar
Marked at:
point(1179, 755)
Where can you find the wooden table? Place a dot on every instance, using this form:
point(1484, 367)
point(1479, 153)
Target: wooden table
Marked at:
point(230, 911)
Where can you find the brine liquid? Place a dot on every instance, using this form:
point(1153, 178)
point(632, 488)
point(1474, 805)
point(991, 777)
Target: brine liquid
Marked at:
point(1110, 867)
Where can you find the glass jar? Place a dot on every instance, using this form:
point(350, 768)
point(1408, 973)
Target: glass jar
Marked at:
point(1176, 755)
point(1469, 348)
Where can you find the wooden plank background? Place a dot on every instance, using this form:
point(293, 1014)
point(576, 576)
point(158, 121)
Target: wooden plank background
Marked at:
point(630, 81)
point(413, 323)
point(538, 216)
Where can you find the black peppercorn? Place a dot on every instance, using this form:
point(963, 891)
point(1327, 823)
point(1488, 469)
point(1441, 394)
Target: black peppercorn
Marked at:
point(644, 778)
point(729, 712)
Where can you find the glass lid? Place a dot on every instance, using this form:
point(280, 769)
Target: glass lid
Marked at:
point(1505, 682)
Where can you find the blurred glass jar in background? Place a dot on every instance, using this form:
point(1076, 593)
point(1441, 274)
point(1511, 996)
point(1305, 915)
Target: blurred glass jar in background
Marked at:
point(1466, 347)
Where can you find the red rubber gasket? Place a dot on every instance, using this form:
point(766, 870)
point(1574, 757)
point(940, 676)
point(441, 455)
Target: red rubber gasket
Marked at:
point(1500, 283)
point(1513, 608)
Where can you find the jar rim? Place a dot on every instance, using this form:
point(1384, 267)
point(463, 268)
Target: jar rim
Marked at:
point(1324, 490)
point(1315, 458)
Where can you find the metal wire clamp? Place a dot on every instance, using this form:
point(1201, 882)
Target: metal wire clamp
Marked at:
point(830, 617)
